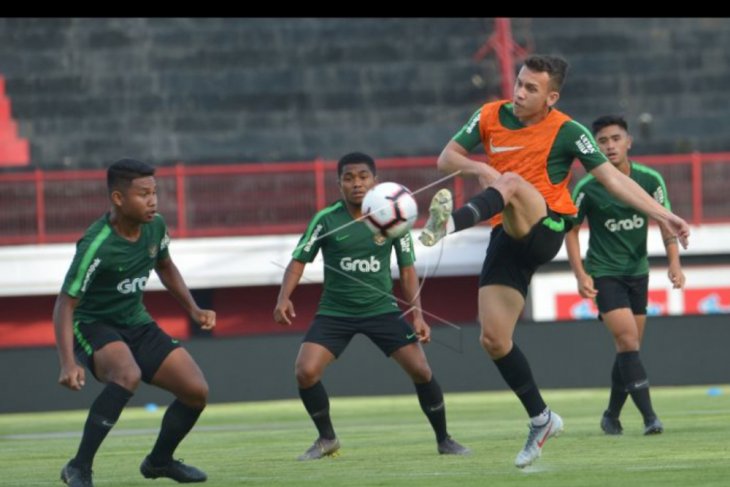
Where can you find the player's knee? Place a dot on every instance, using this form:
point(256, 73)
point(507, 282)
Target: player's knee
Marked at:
point(508, 184)
point(307, 375)
point(627, 342)
point(511, 181)
point(197, 396)
point(128, 377)
point(421, 374)
point(493, 346)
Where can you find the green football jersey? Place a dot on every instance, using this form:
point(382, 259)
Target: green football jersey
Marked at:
point(109, 273)
point(357, 280)
point(618, 232)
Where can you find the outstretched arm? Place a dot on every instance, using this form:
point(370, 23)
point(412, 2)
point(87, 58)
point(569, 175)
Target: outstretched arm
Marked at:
point(173, 282)
point(409, 286)
point(455, 157)
point(627, 190)
point(284, 310)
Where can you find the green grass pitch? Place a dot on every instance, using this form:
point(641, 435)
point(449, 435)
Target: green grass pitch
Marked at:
point(387, 441)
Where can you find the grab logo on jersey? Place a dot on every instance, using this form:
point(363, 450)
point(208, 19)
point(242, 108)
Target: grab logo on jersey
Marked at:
point(362, 265)
point(632, 223)
point(129, 286)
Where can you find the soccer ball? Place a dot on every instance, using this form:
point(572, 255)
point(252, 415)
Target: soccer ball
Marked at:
point(390, 210)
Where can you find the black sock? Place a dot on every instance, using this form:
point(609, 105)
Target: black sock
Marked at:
point(637, 384)
point(431, 400)
point(479, 208)
point(317, 405)
point(516, 372)
point(618, 391)
point(103, 414)
point(178, 420)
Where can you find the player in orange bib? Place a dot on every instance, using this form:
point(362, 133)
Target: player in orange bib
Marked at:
point(531, 146)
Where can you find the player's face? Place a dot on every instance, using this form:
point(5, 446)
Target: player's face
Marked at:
point(615, 142)
point(355, 181)
point(139, 201)
point(532, 96)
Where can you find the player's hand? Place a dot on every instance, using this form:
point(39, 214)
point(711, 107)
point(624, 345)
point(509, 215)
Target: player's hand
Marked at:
point(676, 277)
point(284, 312)
point(205, 318)
point(679, 228)
point(585, 287)
point(72, 376)
point(422, 330)
point(484, 177)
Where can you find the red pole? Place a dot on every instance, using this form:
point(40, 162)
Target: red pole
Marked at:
point(319, 183)
point(696, 188)
point(503, 48)
point(40, 204)
point(182, 224)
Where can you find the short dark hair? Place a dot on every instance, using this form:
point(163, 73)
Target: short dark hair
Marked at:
point(355, 158)
point(555, 66)
point(120, 175)
point(602, 122)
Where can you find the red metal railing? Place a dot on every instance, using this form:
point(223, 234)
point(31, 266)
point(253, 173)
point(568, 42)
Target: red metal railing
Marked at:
point(274, 198)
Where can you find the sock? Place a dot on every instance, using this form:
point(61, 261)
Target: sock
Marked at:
point(103, 414)
point(516, 372)
point(431, 400)
point(636, 382)
point(317, 404)
point(542, 418)
point(480, 207)
point(178, 420)
point(618, 392)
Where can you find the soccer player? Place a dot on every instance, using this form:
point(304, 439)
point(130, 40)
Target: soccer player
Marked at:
point(99, 317)
point(358, 298)
point(616, 272)
point(531, 146)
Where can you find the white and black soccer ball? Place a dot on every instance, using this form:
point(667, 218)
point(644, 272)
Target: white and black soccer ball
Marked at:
point(390, 209)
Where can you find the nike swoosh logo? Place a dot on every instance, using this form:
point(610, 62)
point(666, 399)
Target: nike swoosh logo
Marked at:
point(339, 238)
point(106, 423)
point(408, 337)
point(497, 149)
point(555, 226)
point(542, 440)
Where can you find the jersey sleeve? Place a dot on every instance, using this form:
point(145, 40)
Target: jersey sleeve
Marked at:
point(578, 141)
point(581, 200)
point(164, 252)
point(469, 136)
point(404, 254)
point(659, 193)
point(86, 264)
point(310, 242)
